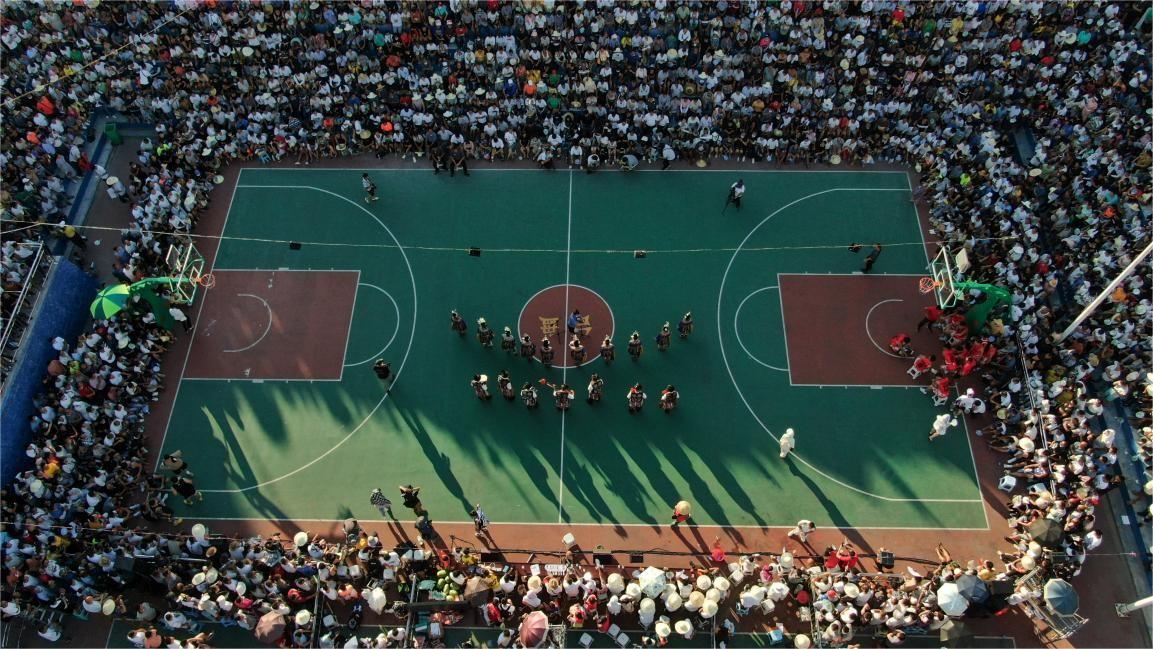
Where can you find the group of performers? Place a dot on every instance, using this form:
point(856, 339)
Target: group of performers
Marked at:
point(962, 354)
point(563, 394)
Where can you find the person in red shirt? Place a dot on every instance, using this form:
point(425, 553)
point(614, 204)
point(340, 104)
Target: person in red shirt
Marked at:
point(932, 315)
point(899, 345)
point(924, 363)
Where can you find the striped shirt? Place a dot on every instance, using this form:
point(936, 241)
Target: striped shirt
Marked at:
point(379, 499)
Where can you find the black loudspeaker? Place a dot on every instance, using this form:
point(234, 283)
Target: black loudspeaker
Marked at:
point(887, 559)
point(999, 588)
point(604, 558)
point(474, 252)
point(640, 254)
point(492, 557)
point(294, 245)
point(636, 558)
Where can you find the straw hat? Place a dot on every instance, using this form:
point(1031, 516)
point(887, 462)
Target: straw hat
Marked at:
point(534, 582)
point(648, 606)
point(633, 589)
point(709, 609)
point(112, 180)
point(704, 582)
point(697, 599)
point(802, 641)
point(683, 627)
point(303, 617)
point(722, 584)
point(852, 591)
point(300, 539)
point(662, 629)
point(199, 531)
point(108, 607)
point(198, 579)
point(673, 602)
point(713, 595)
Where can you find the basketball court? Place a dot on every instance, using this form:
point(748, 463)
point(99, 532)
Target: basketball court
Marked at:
point(280, 414)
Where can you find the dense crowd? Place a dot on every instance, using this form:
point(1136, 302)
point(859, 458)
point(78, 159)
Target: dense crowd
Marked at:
point(945, 88)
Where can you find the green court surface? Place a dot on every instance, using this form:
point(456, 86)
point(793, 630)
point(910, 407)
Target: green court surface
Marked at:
point(314, 449)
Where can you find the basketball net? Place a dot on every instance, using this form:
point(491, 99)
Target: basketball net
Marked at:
point(207, 280)
point(927, 284)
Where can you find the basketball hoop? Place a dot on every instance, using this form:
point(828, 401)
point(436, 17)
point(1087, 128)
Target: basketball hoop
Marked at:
point(927, 284)
point(207, 280)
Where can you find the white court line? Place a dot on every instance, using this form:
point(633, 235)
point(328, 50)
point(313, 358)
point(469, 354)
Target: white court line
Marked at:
point(728, 368)
point(411, 337)
point(917, 218)
point(199, 309)
point(267, 326)
point(564, 350)
point(208, 519)
point(870, 386)
point(737, 329)
point(972, 455)
point(869, 333)
point(394, 331)
point(285, 270)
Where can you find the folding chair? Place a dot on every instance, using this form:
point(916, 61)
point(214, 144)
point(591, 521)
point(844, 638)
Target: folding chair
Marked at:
point(1007, 483)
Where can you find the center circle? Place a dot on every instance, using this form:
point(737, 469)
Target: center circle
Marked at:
point(545, 315)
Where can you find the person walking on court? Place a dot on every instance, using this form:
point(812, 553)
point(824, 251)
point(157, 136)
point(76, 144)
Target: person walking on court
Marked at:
point(788, 443)
point(682, 513)
point(802, 530)
point(383, 370)
point(529, 396)
point(562, 394)
point(410, 498)
point(636, 347)
point(871, 258)
point(504, 383)
point(183, 486)
point(941, 425)
point(479, 385)
point(669, 399)
point(479, 520)
point(664, 338)
point(458, 324)
point(382, 503)
point(507, 341)
point(546, 352)
point(483, 333)
point(636, 397)
point(574, 320)
point(527, 347)
point(608, 350)
point(685, 326)
point(596, 388)
point(576, 350)
point(736, 191)
point(369, 189)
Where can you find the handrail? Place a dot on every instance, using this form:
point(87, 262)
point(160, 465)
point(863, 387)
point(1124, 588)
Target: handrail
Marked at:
point(10, 325)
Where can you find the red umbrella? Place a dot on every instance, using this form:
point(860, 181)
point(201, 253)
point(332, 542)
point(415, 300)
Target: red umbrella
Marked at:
point(534, 629)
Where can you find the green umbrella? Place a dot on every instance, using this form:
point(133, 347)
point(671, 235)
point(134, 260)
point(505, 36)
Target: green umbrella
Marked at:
point(110, 301)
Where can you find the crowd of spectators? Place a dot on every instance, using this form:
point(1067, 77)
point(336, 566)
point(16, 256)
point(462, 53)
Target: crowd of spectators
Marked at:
point(950, 89)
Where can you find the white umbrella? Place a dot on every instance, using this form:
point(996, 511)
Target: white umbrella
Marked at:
point(616, 583)
point(753, 596)
point(709, 609)
point(673, 602)
point(652, 581)
point(778, 591)
point(199, 531)
point(950, 600)
point(377, 599)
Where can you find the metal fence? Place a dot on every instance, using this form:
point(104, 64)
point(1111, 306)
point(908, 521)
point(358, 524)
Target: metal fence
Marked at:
point(18, 317)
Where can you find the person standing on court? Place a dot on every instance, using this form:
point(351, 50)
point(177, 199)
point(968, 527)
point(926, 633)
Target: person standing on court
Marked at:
point(410, 498)
point(574, 320)
point(504, 383)
point(527, 347)
point(383, 370)
point(802, 530)
point(529, 396)
point(483, 333)
point(369, 189)
point(508, 341)
point(788, 443)
point(682, 513)
point(636, 347)
point(636, 397)
point(382, 503)
point(479, 520)
point(664, 338)
point(685, 326)
point(596, 388)
point(546, 352)
point(458, 324)
point(736, 191)
point(608, 350)
point(669, 399)
point(458, 159)
point(941, 425)
point(871, 258)
point(479, 384)
point(576, 350)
